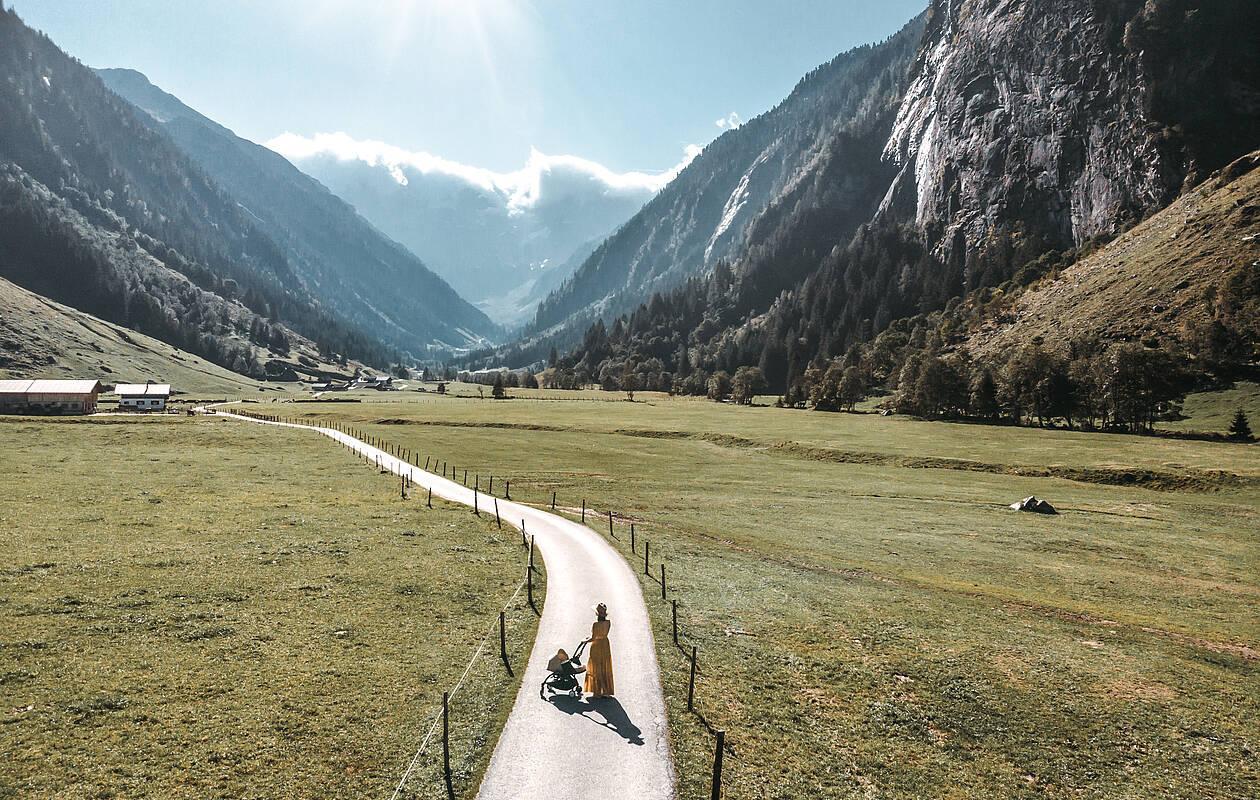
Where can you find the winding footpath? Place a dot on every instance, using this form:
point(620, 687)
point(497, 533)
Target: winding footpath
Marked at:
point(567, 748)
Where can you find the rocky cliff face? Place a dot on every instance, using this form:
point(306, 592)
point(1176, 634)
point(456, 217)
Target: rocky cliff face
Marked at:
point(1018, 130)
point(1034, 126)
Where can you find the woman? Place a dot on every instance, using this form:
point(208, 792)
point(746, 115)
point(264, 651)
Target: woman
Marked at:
point(599, 672)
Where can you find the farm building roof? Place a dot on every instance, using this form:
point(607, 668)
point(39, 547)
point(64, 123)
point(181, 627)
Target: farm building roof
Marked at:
point(48, 387)
point(138, 389)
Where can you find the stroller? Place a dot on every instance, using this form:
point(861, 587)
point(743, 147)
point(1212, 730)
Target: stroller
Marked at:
point(562, 678)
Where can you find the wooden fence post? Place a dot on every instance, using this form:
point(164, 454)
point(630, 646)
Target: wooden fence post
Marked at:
point(610, 524)
point(476, 507)
point(507, 490)
point(426, 463)
point(503, 644)
point(691, 683)
point(402, 486)
point(647, 549)
point(717, 767)
point(430, 497)
point(674, 606)
point(583, 512)
point(491, 489)
point(529, 585)
point(531, 547)
point(632, 550)
point(446, 744)
point(553, 501)
point(662, 580)
point(497, 521)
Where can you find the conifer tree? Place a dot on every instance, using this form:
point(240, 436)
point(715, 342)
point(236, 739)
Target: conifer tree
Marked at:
point(1240, 427)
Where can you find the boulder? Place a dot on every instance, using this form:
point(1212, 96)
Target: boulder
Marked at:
point(1033, 505)
point(280, 370)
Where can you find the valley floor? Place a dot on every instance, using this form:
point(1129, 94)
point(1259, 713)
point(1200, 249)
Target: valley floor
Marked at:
point(202, 608)
point(870, 618)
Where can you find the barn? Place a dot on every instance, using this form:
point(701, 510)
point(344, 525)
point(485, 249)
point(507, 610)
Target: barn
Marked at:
point(48, 396)
point(142, 396)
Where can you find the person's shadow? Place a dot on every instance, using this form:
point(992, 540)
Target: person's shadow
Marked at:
point(603, 711)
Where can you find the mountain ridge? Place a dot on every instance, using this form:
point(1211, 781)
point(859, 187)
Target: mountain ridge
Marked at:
point(700, 217)
point(122, 208)
point(360, 271)
point(501, 239)
point(1018, 134)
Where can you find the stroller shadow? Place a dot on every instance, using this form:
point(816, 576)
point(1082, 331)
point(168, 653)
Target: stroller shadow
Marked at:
point(605, 712)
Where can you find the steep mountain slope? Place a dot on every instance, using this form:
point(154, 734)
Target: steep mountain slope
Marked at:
point(708, 213)
point(502, 240)
point(1026, 132)
point(109, 271)
point(43, 339)
point(338, 255)
point(1188, 274)
point(1036, 126)
point(86, 178)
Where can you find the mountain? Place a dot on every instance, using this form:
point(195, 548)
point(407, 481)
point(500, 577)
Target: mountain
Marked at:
point(95, 262)
point(1189, 276)
point(985, 141)
point(504, 240)
point(352, 267)
point(43, 339)
point(100, 212)
point(826, 137)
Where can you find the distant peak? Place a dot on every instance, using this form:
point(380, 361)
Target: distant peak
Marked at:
point(136, 88)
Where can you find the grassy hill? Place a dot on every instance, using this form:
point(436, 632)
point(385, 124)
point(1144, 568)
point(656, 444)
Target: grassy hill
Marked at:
point(1163, 280)
point(43, 339)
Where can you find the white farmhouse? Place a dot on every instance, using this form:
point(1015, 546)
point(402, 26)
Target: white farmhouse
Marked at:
point(142, 396)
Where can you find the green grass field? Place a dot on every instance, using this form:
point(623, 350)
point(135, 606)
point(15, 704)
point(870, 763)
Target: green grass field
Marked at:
point(1213, 411)
point(204, 608)
point(873, 621)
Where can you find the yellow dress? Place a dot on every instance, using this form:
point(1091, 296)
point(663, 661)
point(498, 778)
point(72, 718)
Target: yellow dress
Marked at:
point(599, 672)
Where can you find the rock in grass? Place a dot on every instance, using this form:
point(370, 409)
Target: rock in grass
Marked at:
point(1032, 504)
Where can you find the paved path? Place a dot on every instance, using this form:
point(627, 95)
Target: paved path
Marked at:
point(593, 750)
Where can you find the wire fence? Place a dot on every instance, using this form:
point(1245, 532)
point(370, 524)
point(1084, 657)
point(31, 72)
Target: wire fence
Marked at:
point(527, 583)
point(459, 684)
point(634, 543)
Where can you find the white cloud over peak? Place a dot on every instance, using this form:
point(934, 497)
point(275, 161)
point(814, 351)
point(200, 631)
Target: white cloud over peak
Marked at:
point(730, 122)
point(521, 189)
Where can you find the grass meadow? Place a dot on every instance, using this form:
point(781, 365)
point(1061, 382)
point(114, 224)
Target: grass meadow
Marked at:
point(203, 608)
point(872, 621)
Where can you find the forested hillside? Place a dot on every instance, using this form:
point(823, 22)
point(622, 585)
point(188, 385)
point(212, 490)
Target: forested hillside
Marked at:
point(1024, 138)
point(815, 155)
point(44, 339)
point(101, 212)
point(352, 267)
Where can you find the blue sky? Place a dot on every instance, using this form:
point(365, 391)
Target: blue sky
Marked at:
point(628, 85)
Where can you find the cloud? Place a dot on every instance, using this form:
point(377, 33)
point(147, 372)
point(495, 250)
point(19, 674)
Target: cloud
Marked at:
point(520, 188)
point(730, 122)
